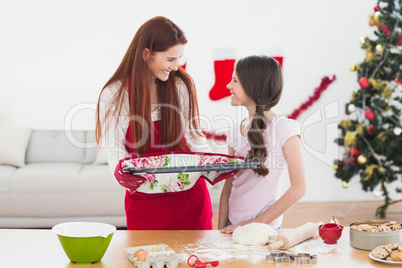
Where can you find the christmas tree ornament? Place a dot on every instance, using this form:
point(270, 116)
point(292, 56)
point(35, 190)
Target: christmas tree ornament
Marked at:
point(397, 131)
point(370, 56)
point(376, 8)
point(370, 171)
point(370, 129)
point(345, 184)
point(379, 48)
point(364, 82)
point(386, 92)
point(363, 40)
point(377, 193)
point(346, 124)
point(371, 20)
point(354, 151)
point(361, 159)
point(377, 17)
point(353, 68)
point(335, 167)
point(374, 84)
point(385, 29)
point(388, 70)
point(350, 139)
point(353, 96)
point(360, 129)
point(351, 108)
point(382, 5)
point(369, 114)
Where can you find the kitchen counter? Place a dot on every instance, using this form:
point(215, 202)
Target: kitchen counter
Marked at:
point(41, 248)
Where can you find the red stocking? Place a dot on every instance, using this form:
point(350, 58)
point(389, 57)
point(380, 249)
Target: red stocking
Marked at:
point(223, 75)
point(280, 60)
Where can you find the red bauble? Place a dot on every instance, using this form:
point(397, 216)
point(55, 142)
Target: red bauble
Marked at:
point(369, 114)
point(354, 151)
point(376, 8)
point(370, 129)
point(364, 82)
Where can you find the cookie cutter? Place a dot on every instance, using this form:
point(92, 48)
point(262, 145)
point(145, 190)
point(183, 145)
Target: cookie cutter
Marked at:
point(305, 258)
point(300, 258)
point(278, 257)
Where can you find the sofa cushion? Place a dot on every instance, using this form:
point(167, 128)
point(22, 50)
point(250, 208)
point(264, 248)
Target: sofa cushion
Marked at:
point(56, 146)
point(13, 145)
point(92, 148)
point(97, 177)
point(6, 173)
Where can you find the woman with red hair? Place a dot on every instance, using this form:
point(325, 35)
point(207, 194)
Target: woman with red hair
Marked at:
point(150, 105)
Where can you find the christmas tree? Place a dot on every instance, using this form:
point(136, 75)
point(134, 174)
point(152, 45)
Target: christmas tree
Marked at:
point(371, 134)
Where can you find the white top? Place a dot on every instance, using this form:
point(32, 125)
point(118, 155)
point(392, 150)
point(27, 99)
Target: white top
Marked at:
point(251, 195)
point(114, 138)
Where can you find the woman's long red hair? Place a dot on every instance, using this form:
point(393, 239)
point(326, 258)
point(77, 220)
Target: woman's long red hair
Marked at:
point(157, 34)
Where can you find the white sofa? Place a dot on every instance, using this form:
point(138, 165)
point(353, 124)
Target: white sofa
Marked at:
point(48, 177)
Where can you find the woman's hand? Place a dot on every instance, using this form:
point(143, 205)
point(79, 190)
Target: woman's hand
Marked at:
point(126, 180)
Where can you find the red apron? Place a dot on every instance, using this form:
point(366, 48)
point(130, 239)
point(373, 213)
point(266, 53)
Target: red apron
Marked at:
point(186, 210)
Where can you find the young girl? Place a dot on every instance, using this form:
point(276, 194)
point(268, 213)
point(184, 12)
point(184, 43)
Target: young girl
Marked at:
point(268, 138)
point(150, 103)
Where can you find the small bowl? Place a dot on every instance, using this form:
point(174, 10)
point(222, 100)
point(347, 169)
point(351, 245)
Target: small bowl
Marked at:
point(331, 234)
point(330, 226)
point(84, 242)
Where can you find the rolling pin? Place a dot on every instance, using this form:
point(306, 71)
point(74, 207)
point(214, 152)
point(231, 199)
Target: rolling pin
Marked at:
point(301, 233)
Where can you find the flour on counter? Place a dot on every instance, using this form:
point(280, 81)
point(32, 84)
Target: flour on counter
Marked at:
point(318, 247)
point(225, 250)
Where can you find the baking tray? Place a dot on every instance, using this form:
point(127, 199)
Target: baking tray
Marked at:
point(215, 167)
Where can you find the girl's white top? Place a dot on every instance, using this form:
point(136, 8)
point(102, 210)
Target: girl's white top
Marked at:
point(251, 195)
point(114, 137)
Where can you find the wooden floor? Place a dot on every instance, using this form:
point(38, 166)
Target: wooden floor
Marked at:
point(345, 212)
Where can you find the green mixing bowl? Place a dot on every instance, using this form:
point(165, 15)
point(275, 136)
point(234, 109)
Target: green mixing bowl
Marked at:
point(84, 242)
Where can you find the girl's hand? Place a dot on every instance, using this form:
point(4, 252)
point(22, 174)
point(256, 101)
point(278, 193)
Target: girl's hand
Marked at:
point(229, 229)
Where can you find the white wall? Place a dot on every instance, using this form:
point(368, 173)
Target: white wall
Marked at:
point(55, 56)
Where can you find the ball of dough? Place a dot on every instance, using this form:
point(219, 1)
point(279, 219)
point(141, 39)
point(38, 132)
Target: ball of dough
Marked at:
point(254, 234)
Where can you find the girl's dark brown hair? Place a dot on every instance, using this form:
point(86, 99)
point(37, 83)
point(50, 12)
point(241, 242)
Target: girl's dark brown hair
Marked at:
point(261, 79)
point(157, 34)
